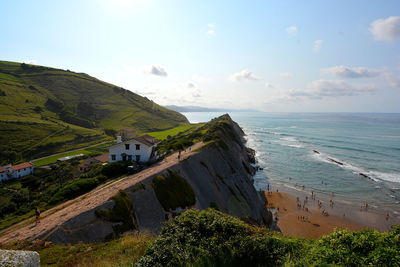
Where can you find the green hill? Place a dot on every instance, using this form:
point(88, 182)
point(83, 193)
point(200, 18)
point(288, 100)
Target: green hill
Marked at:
point(45, 110)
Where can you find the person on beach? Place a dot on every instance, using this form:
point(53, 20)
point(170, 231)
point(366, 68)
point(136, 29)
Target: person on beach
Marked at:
point(37, 215)
point(387, 216)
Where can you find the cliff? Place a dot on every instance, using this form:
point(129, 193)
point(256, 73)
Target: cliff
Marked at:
point(213, 171)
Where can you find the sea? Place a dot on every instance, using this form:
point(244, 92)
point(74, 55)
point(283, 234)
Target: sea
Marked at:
point(354, 157)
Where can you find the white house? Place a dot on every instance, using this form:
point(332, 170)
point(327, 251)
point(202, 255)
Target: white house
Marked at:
point(3, 174)
point(20, 170)
point(139, 149)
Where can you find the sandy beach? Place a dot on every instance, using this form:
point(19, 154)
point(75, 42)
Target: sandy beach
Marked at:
point(295, 221)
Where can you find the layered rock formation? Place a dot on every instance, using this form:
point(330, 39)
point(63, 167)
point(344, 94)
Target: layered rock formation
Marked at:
point(220, 175)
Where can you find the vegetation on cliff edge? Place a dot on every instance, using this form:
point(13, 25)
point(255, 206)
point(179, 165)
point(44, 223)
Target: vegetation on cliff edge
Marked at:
point(212, 238)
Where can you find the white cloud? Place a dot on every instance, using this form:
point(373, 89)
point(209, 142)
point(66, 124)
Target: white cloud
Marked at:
point(387, 30)
point(393, 80)
point(155, 70)
point(243, 76)
point(211, 27)
point(190, 85)
point(268, 85)
point(197, 94)
point(352, 72)
point(286, 75)
point(31, 61)
point(292, 30)
point(332, 88)
point(318, 45)
point(323, 88)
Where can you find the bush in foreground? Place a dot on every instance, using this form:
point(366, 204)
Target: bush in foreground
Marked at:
point(211, 238)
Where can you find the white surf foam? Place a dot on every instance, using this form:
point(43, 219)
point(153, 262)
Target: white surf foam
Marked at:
point(289, 139)
point(390, 177)
point(374, 175)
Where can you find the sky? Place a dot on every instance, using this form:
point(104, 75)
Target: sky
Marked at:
point(277, 56)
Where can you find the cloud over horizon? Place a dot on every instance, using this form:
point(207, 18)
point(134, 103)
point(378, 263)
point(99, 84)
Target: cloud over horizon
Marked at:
point(332, 88)
point(352, 72)
point(243, 76)
point(156, 70)
point(387, 30)
point(286, 75)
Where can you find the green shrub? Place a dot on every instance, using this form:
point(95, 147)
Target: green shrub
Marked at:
point(116, 169)
point(173, 191)
point(361, 248)
point(74, 189)
point(121, 212)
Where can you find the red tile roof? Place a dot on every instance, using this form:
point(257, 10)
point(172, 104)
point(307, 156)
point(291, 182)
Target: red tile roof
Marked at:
point(103, 158)
point(2, 169)
point(22, 166)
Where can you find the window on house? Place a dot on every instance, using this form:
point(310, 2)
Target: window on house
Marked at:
point(129, 157)
point(112, 157)
point(137, 157)
point(24, 169)
point(126, 146)
point(137, 147)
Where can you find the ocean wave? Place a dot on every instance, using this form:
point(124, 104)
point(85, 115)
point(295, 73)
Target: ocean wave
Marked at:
point(274, 133)
point(373, 175)
point(295, 146)
point(289, 139)
point(390, 177)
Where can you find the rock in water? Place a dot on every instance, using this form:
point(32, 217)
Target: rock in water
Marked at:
point(19, 258)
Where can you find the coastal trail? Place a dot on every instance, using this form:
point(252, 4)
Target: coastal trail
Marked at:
point(56, 216)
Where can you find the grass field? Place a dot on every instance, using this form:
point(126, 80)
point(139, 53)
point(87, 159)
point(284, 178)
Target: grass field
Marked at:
point(98, 149)
point(162, 135)
point(53, 159)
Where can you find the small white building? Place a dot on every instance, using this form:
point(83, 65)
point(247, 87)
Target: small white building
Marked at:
point(139, 149)
point(20, 170)
point(3, 174)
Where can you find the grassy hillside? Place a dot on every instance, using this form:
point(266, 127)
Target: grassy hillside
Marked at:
point(45, 110)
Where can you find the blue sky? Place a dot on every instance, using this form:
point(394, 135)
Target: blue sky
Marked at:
point(317, 56)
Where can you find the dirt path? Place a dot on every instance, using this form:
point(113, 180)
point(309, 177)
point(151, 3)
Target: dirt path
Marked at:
point(26, 230)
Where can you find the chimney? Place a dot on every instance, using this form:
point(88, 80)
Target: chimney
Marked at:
point(119, 139)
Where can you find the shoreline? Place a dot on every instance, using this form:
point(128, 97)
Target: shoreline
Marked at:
point(295, 221)
point(372, 218)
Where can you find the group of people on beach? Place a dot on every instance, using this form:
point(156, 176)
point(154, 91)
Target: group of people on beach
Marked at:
point(303, 218)
point(364, 206)
point(303, 204)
